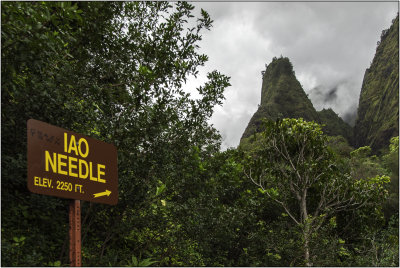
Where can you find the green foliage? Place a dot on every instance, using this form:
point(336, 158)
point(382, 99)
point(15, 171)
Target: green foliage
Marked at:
point(394, 144)
point(391, 158)
point(377, 247)
point(251, 144)
point(160, 189)
point(295, 168)
point(339, 145)
point(361, 152)
point(334, 125)
point(390, 161)
point(140, 263)
point(365, 166)
point(113, 71)
point(54, 264)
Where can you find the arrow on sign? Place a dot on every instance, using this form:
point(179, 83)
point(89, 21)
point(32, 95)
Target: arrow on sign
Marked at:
point(106, 192)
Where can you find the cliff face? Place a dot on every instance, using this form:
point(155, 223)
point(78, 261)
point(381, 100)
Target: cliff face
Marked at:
point(283, 97)
point(378, 110)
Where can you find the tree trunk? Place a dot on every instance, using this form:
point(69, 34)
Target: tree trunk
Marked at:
point(306, 226)
point(306, 250)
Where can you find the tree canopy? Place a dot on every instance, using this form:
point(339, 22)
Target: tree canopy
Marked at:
point(295, 168)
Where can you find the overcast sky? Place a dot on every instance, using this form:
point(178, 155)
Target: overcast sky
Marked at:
point(330, 44)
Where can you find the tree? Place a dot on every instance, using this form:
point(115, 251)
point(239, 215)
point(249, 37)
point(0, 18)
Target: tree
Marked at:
point(391, 163)
point(296, 170)
point(113, 71)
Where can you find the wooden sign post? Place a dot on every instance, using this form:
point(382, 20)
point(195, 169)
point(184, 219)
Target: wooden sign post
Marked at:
point(75, 233)
point(70, 165)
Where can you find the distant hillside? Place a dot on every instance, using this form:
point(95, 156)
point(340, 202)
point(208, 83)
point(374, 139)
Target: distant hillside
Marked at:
point(283, 97)
point(378, 110)
point(334, 125)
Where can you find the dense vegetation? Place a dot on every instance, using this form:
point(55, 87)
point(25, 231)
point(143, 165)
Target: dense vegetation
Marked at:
point(334, 125)
point(114, 71)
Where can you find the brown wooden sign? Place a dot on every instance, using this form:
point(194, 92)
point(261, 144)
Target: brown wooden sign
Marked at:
point(66, 164)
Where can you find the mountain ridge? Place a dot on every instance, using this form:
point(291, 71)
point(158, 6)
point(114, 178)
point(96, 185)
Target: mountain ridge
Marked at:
point(282, 96)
